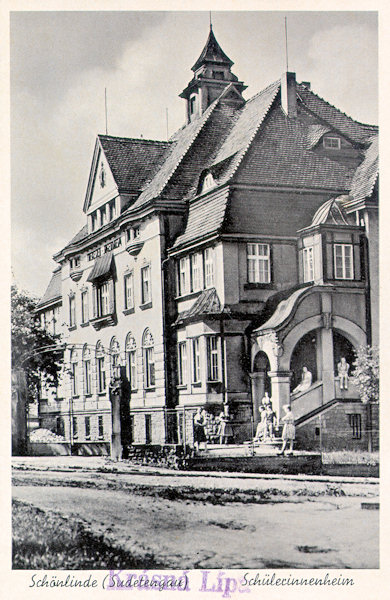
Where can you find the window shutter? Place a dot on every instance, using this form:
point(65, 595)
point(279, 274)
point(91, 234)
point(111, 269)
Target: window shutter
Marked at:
point(111, 296)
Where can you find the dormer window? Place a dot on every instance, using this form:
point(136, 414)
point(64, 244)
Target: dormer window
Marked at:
point(332, 143)
point(192, 104)
point(208, 182)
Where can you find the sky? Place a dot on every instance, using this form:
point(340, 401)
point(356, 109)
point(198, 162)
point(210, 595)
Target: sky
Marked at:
point(61, 63)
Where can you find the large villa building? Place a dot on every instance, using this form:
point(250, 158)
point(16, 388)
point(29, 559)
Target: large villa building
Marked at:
point(216, 265)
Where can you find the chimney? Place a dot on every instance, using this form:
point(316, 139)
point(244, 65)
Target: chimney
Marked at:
point(289, 94)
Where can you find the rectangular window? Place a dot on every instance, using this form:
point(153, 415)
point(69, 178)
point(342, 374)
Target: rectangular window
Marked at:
point(343, 261)
point(196, 360)
point(355, 421)
point(103, 216)
point(100, 427)
point(136, 232)
point(148, 429)
point(132, 367)
point(197, 271)
point(332, 142)
point(87, 377)
point(212, 358)
point(129, 291)
point(308, 264)
point(149, 368)
point(146, 295)
point(128, 235)
point(88, 428)
point(209, 267)
point(112, 211)
point(75, 427)
point(101, 375)
point(72, 311)
point(93, 221)
point(74, 378)
point(103, 299)
point(84, 307)
point(258, 256)
point(184, 275)
point(182, 371)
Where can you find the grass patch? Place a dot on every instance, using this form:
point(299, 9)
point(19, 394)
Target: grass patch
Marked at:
point(350, 457)
point(47, 540)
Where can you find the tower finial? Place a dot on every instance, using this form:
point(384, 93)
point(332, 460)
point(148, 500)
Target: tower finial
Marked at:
point(211, 24)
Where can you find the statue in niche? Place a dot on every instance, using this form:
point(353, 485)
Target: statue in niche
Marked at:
point(306, 381)
point(342, 370)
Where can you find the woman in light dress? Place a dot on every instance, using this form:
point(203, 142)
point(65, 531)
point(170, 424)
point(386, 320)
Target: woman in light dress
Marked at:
point(306, 382)
point(288, 434)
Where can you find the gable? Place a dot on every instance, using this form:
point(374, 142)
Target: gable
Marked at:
point(101, 184)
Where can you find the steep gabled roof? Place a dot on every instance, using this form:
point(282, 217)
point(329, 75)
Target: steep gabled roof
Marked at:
point(132, 161)
point(279, 157)
point(366, 174)
point(212, 52)
point(181, 143)
point(53, 291)
point(355, 131)
point(247, 123)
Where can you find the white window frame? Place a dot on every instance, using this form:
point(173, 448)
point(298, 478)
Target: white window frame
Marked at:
point(132, 368)
point(213, 362)
point(72, 311)
point(184, 276)
point(146, 285)
point(129, 290)
point(182, 363)
point(150, 376)
point(87, 377)
point(343, 274)
point(103, 298)
point(101, 374)
point(258, 262)
point(197, 271)
point(84, 306)
point(209, 265)
point(196, 360)
point(308, 264)
point(74, 367)
point(332, 142)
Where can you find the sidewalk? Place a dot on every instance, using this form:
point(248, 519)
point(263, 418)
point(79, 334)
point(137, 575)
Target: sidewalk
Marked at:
point(100, 464)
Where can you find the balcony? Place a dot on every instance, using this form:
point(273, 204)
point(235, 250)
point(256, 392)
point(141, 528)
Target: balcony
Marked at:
point(104, 321)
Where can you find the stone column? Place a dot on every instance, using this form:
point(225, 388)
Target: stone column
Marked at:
point(115, 399)
point(326, 364)
point(258, 389)
point(280, 388)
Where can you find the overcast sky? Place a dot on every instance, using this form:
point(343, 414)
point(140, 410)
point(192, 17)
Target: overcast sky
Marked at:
point(62, 61)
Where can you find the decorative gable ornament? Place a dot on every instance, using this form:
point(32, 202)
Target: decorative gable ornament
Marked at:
point(102, 176)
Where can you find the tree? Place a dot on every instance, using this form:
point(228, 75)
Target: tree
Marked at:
point(366, 373)
point(33, 350)
point(366, 379)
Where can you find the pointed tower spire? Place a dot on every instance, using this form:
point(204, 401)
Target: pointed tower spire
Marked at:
point(212, 73)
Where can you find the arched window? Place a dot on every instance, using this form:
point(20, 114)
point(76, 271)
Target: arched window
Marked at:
point(100, 366)
point(131, 360)
point(87, 370)
point(114, 357)
point(148, 354)
point(74, 358)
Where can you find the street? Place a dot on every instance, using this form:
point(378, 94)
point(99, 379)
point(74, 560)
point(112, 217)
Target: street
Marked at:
point(200, 521)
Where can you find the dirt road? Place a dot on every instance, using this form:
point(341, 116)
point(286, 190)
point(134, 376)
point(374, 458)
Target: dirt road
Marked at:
point(290, 530)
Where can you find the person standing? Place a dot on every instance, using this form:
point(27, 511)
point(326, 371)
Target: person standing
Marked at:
point(200, 421)
point(288, 434)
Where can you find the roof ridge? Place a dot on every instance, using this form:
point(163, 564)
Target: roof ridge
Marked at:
point(277, 81)
point(126, 139)
point(206, 116)
point(245, 148)
point(300, 85)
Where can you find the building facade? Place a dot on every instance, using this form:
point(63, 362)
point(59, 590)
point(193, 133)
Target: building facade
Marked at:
point(215, 266)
